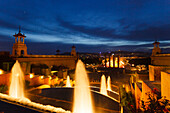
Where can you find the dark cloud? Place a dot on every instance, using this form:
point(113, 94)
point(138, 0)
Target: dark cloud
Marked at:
point(112, 20)
point(122, 21)
point(140, 33)
point(150, 33)
point(5, 38)
point(99, 31)
point(6, 45)
point(43, 48)
point(6, 24)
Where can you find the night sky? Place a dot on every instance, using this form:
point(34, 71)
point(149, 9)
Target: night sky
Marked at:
point(91, 25)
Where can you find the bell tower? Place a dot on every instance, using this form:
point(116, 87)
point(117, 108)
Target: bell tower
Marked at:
point(73, 51)
point(156, 49)
point(19, 47)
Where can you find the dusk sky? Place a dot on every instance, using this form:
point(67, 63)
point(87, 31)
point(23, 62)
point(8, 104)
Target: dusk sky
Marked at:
point(91, 25)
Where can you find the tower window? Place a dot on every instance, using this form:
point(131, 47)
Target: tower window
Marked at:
point(15, 52)
point(21, 39)
point(22, 52)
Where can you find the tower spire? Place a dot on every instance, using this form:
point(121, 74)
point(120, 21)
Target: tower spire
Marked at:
point(73, 51)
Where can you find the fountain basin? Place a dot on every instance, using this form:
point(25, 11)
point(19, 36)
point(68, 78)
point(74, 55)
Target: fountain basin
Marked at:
point(112, 94)
point(23, 104)
point(63, 97)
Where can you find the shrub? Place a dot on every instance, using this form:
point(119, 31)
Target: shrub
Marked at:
point(155, 103)
point(127, 100)
point(3, 88)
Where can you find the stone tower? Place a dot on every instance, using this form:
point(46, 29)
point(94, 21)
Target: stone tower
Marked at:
point(19, 47)
point(73, 51)
point(156, 49)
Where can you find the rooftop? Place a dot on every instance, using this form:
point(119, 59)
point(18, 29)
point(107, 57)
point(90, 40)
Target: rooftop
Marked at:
point(19, 33)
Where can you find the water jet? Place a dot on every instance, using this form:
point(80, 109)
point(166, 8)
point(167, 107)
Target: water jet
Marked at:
point(16, 89)
point(82, 94)
point(68, 84)
point(103, 85)
point(109, 84)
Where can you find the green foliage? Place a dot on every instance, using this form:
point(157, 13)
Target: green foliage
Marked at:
point(155, 103)
point(3, 88)
point(127, 100)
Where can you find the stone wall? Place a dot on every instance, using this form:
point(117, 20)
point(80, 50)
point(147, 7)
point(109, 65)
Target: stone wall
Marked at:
point(165, 84)
point(148, 87)
point(35, 81)
point(151, 73)
point(49, 60)
point(160, 59)
point(5, 79)
point(145, 89)
point(155, 72)
point(40, 80)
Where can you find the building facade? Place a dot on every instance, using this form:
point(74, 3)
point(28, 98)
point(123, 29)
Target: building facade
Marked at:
point(43, 63)
point(159, 62)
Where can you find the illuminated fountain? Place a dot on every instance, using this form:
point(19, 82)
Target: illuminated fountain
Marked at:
point(103, 85)
point(68, 82)
point(109, 84)
point(16, 93)
point(17, 82)
point(82, 95)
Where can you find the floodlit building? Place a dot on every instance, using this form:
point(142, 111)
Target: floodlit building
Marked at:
point(159, 77)
point(41, 64)
point(159, 62)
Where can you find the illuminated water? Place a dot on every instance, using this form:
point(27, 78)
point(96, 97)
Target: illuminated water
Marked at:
point(82, 94)
point(39, 106)
point(16, 92)
point(68, 84)
point(109, 84)
point(16, 88)
point(103, 85)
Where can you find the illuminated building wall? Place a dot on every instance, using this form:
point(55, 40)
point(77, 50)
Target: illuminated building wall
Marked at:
point(114, 63)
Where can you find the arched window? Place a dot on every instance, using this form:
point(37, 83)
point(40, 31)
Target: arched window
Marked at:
point(22, 52)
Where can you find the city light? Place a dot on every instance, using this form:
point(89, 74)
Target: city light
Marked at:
point(1, 72)
point(42, 77)
point(31, 75)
